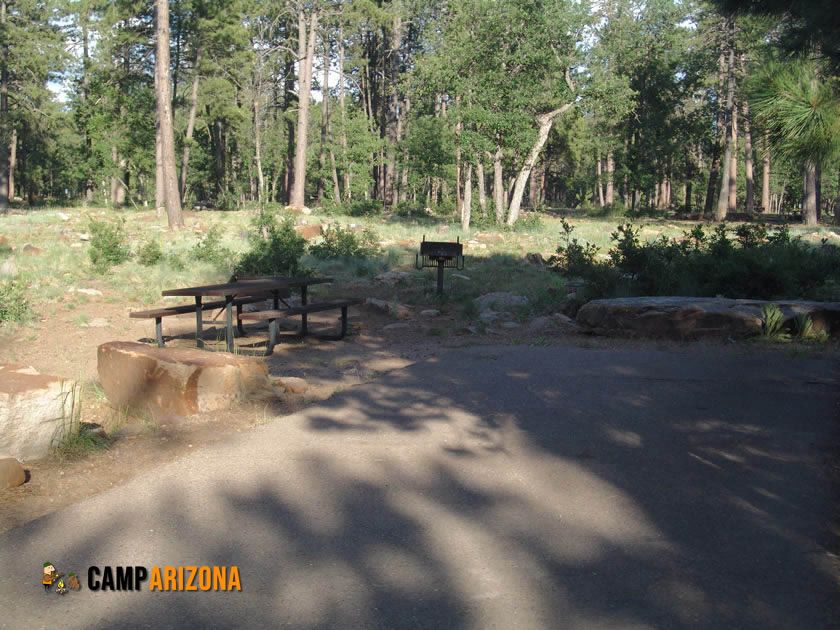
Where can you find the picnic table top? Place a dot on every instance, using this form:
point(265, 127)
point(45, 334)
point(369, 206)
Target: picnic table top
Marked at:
point(248, 287)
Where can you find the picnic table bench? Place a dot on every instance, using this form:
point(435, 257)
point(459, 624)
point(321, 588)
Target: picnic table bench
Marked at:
point(273, 315)
point(159, 313)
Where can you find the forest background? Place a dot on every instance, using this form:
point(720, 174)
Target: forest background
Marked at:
point(473, 109)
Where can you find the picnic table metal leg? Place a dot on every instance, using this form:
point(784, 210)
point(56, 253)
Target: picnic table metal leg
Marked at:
point(229, 322)
point(199, 333)
point(303, 323)
point(272, 336)
point(159, 331)
point(239, 324)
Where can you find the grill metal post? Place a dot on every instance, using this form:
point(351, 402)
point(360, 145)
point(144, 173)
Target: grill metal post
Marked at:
point(441, 262)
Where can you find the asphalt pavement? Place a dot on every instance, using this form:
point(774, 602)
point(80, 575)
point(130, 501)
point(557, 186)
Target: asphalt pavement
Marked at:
point(489, 487)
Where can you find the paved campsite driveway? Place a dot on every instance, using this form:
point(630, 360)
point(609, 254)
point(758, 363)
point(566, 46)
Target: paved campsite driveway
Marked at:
point(493, 487)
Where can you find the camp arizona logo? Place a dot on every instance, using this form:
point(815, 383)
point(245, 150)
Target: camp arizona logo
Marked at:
point(191, 578)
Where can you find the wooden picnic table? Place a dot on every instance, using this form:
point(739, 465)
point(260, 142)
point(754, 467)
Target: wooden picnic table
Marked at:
point(269, 286)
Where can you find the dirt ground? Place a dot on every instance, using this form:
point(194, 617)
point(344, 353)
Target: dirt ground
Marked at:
point(60, 346)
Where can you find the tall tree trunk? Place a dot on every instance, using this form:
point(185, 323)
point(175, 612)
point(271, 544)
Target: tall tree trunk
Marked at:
point(748, 160)
point(598, 181)
point(720, 137)
point(4, 115)
point(533, 187)
point(12, 163)
point(458, 127)
point(498, 183)
point(258, 149)
point(544, 122)
point(325, 116)
point(733, 168)
point(114, 178)
point(723, 197)
point(809, 200)
point(765, 175)
point(164, 109)
point(185, 158)
point(345, 165)
point(482, 192)
point(306, 52)
point(466, 208)
point(610, 197)
point(393, 105)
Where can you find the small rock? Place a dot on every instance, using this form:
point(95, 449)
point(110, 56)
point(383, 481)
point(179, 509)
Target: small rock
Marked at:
point(31, 249)
point(89, 291)
point(564, 321)
point(8, 268)
point(491, 315)
point(505, 300)
point(309, 231)
point(396, 326)
point(75, 244)
point(11, 472)
point(84, 236)
point(392, 278)
point(63, 217)
point(397, 310)
point(293, 384)
point(510, 325)
point(430, 312)
point(459, 276)
point(535, 259)
point(97, 322)
point(482, 246)
point(540, 323)
point(91, 428)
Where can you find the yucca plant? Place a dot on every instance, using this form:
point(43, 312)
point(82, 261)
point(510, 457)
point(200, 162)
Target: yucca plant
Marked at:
point(772, 323)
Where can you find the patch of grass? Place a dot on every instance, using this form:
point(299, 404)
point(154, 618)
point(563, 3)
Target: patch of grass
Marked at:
point(81, 319)
point(14, 304)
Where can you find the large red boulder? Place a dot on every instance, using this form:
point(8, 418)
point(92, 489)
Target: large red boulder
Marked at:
point(180, 381)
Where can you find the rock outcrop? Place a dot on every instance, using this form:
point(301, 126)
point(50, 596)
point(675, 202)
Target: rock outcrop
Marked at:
point(179, 381)
point(33, 410)
point(695, 318)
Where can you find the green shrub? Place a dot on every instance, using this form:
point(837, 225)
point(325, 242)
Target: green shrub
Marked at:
point(757, 264)
point(14, 306)
point(210, 249)
point(107, 243)
point(531, 221)
point(176, 261)
point(575, 259)
point(364, 208)
point(275, 247)
point(150, 254)
point(341, 242)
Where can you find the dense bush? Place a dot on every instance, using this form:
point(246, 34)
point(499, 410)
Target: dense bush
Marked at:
point(341, 242)
point(210, 249)
point(107, 243)
point(275, 247)
point(363, 208)
point(757, 264)
point(14, 306)
point(149, 254)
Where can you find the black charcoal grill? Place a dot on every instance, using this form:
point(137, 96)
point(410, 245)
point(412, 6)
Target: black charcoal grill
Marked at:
point(442, 255)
